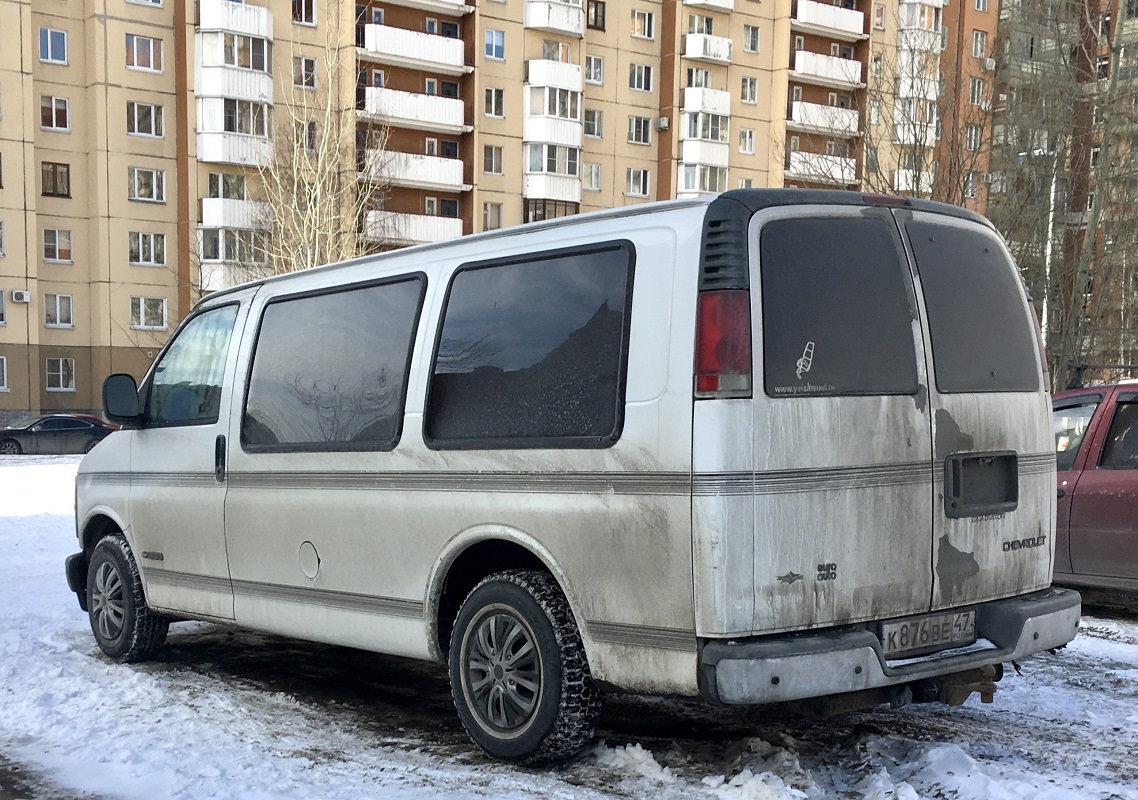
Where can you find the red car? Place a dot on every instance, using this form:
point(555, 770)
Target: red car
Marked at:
point(1096, 450)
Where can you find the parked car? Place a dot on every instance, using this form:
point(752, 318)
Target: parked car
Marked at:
point(1096, 452)
point(56, 433)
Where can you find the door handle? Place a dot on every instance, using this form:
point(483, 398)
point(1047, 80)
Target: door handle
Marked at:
point(1060, 494)
point(219, 459)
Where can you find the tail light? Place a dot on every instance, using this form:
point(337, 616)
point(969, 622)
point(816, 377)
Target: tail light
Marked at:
point(723, 344)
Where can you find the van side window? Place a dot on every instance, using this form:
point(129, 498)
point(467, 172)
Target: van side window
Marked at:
point(532, 352)
point(981, 332)
point(330, 370)
point(185, 388)
point(1120, 451)
point(837, 315)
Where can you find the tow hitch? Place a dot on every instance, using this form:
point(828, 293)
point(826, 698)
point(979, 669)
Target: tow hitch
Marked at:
point(954, 689)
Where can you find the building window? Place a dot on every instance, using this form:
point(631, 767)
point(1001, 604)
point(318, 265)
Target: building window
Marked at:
point(496, 102)
point(746, 183)
point(643, 24)
point(56, 245)
point(304, 73)
point(972, 137)
point(981, 5)
point(943, 38)
point(751, 38)
point(148, 185)
point(491, 216)
point(591, 177)
point(57, 310)
point(431, 86)
point(148, 313)
point(3, 359)
point(377, 78)
point(492, 159)
point(979, 43)
point(793, 146)
point(227, 185)
point(236, 245)
point(796, 93)
point(975, 91)
point(970, 184)
point(245, 116)
point(304, 11)
point(637, 183)
point(877, 65)
point(496, 45)
point(749, 92)
point(448, 207)
point(879, 16)
point(248, 52)
point(640, 130)
point(54, 113)
point(704, 178)
point(873, 115)
point(377, 16)
point(595, 69)
point(799, 44)
point(143, 119)
point(56, 179)
point(431, 206)
point(594, 123)
point(708, 127)
point(640, 77)
point(3, 312)
point(554, 159)
point(747, 141)
point(552, 102)
point(1, 243)
point(143, 52)
point(552, 50)
point(699, 78)
point(61, 375)
point(147, 249)
point(53, 46)
point(596, 15)
point(698, 23)
point(871, 158)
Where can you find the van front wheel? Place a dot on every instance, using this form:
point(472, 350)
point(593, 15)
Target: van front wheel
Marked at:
point(518, 671)
point(124, 627)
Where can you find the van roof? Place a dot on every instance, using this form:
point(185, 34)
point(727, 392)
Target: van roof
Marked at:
point(751, 199)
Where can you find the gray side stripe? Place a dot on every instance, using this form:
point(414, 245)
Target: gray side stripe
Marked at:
point(186, 580)
point(1036, 463)
point(341, 601)
point(643, 636)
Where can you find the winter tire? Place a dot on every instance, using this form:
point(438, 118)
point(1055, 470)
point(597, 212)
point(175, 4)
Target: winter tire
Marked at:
point(123, 625)
point(10, 447)
point(87, 448)
point(518, 672)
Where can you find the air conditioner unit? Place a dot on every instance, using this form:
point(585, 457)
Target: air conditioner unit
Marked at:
point(21, 296)
point(989, 65)
point(662, 123)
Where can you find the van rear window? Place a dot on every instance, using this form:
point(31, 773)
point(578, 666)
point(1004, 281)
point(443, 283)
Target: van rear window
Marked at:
point(837, 317)
point(982, 335)
point(532, 352)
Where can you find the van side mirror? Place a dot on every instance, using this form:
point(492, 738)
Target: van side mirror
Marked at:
point(120, 399)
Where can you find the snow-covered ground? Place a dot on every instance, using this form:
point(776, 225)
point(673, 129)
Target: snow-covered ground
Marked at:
point(223, 713)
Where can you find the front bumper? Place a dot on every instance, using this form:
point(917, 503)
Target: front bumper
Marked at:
point(777, 669)
point(76, 568)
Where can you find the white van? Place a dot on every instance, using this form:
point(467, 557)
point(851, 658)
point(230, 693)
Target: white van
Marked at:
point(778, 445)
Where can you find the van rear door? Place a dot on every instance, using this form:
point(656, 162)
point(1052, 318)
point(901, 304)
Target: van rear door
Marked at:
point(994, 461)
point(842, 442)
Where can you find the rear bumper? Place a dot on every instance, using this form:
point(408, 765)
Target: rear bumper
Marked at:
point(777, 669)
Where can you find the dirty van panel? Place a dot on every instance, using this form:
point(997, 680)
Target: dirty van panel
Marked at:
point(994, 507)
point(842, 428)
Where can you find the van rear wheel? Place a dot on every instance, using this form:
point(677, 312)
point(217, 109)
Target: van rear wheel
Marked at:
point(124, 627)
point(518, 671)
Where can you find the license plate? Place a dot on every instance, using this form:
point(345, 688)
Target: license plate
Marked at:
point(926, 634)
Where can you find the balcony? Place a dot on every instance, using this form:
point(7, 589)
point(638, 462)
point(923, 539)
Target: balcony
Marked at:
point(823, 70)
point(909, 181)
point(426, 51)
point(553, 130)
point(712, 5)
point(224, 15)
point(554, 16)
point(710, 101)
point(705, 47)
point(557, 74)
point(546, 186)
point(926, 87)
point(234, 148)
point(911, 132)
point(217, 275)
point(219, 212)
point(422, 112)
point(820, 168)
point(833, 22)
point(240, 84)
point(818, 118)
point(416, 171)
point(919, 40)
point(700, 151)
point(396, 228)
point(450, 8)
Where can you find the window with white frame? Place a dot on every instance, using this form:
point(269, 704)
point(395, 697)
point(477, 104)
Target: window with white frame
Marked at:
point(553, 50)
point(233, 244)
point(554, 159)
point(749, 91)
point(3, 311)
point(1, 238)
point(793, 145)
point(3, 359)
point(591, 177)
point(146, 249)
point(698, 23)
point(60, 375)
point(248, 52)
point(637, 182)
point(144, 119)
point(699, 78)
point(144, 53)
point(496, 45)
point(304, 72)
point(879, 16)
point(491, 216)
point(972, 136)
point(246, 116)
point(981, 5)
point(975, 91)
point(55, 113)
point(970, 184)
point(57, 311)
point(148, 313)
point(304, 11)
point(640, 130)
point(495, 102)
point(594, 123)
point(594, 69)
point(549, 101)
point(979, 43)
point(146, 2)
point(704, 178)
point(751, 38)
point(643, 24)
point(874, 112)
point(492, 158)
point(53, 46)
point(708, 127)
point(227, 186)
point(56, 245)
point(747, 141)
point(640, 77)
point(877, 65)
point(146, 185)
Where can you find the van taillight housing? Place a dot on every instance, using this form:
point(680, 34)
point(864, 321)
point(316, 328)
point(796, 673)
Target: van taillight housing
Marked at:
point(723, 344)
